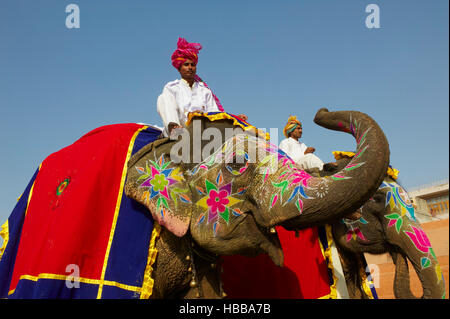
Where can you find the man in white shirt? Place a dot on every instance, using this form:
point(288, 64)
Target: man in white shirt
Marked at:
point(298, 151)
point(189, 94)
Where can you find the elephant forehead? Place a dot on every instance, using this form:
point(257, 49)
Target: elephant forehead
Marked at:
point(397, 200)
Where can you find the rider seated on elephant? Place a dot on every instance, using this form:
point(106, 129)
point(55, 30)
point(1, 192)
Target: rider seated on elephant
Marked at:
point(188, 94)
point(298, 151)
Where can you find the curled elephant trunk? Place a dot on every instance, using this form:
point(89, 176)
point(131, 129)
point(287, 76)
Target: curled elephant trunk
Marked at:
point(325, 199)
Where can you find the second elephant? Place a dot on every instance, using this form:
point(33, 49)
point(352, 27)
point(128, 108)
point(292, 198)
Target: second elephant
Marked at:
point(386, 224)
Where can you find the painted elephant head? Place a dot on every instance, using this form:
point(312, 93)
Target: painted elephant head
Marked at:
point(388, 224)
point(230, 191)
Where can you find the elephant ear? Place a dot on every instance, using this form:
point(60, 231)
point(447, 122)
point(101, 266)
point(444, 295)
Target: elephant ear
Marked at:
point(159, 184)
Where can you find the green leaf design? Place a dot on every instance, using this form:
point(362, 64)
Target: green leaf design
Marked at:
point(354, 167)
point(155, 165)
point(362, 139)
point(225, 215)
point(361, 153)
point(209, 186)
point(283, 185)
point(297, 204)
point(144, 176)
point(164, 201)
point(339, 178)
point(158, 203)
point(425, 262)
point(176, 190)
point(393, 216)
point(165, 165)
point(265, 160)
point(398, 224)
point(431, 251)
point(147, 169)
point(271, 200)
point(283, 173)
point(210, 161)
point(173, 195)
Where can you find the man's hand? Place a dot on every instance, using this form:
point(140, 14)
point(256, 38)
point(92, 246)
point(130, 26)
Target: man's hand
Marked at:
point(310, 150)
point(171, 126)
point(243, 117)
point(330, 166)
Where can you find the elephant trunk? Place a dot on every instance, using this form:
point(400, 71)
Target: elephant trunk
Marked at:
point(331, 198)
point(402, 288)
point(415, 246)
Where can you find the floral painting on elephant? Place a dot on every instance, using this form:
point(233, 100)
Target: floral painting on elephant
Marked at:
point(74, 227)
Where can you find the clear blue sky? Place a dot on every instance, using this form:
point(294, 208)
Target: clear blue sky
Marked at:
point(268, 59)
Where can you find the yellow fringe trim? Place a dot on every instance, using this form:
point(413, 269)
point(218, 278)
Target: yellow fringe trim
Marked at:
point(327, 254)
point(392, 172)
point(116, 212)
point(78, 279)
point(365, 283)
point(4, 233)
point(147, 285)
point(226, 116)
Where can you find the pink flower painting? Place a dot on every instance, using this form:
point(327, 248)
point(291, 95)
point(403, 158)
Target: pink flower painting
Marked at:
point(419, 239)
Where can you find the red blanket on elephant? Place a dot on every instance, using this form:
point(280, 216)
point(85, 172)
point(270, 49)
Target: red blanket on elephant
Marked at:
point(73, 231)
point(305, 274)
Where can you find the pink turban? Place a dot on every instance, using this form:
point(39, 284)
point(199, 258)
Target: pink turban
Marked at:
point(184, 51)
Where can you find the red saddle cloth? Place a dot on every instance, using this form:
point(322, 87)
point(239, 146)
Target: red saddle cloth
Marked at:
point(304, 275)
point(76, 221)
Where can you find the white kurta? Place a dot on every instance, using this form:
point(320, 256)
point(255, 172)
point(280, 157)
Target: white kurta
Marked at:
point(296, 151)
point(178, 99)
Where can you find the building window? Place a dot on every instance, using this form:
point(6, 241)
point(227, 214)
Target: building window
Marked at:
point(438, 205)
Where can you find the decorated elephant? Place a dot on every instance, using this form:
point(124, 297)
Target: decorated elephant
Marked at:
point(84, 219)
point(388, 225)
point(385, 223)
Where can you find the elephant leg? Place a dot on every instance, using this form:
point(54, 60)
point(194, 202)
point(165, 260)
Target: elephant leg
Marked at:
point(170, 271)
point(176, 266)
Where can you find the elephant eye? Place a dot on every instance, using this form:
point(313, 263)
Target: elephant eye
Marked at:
point(377, 198)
